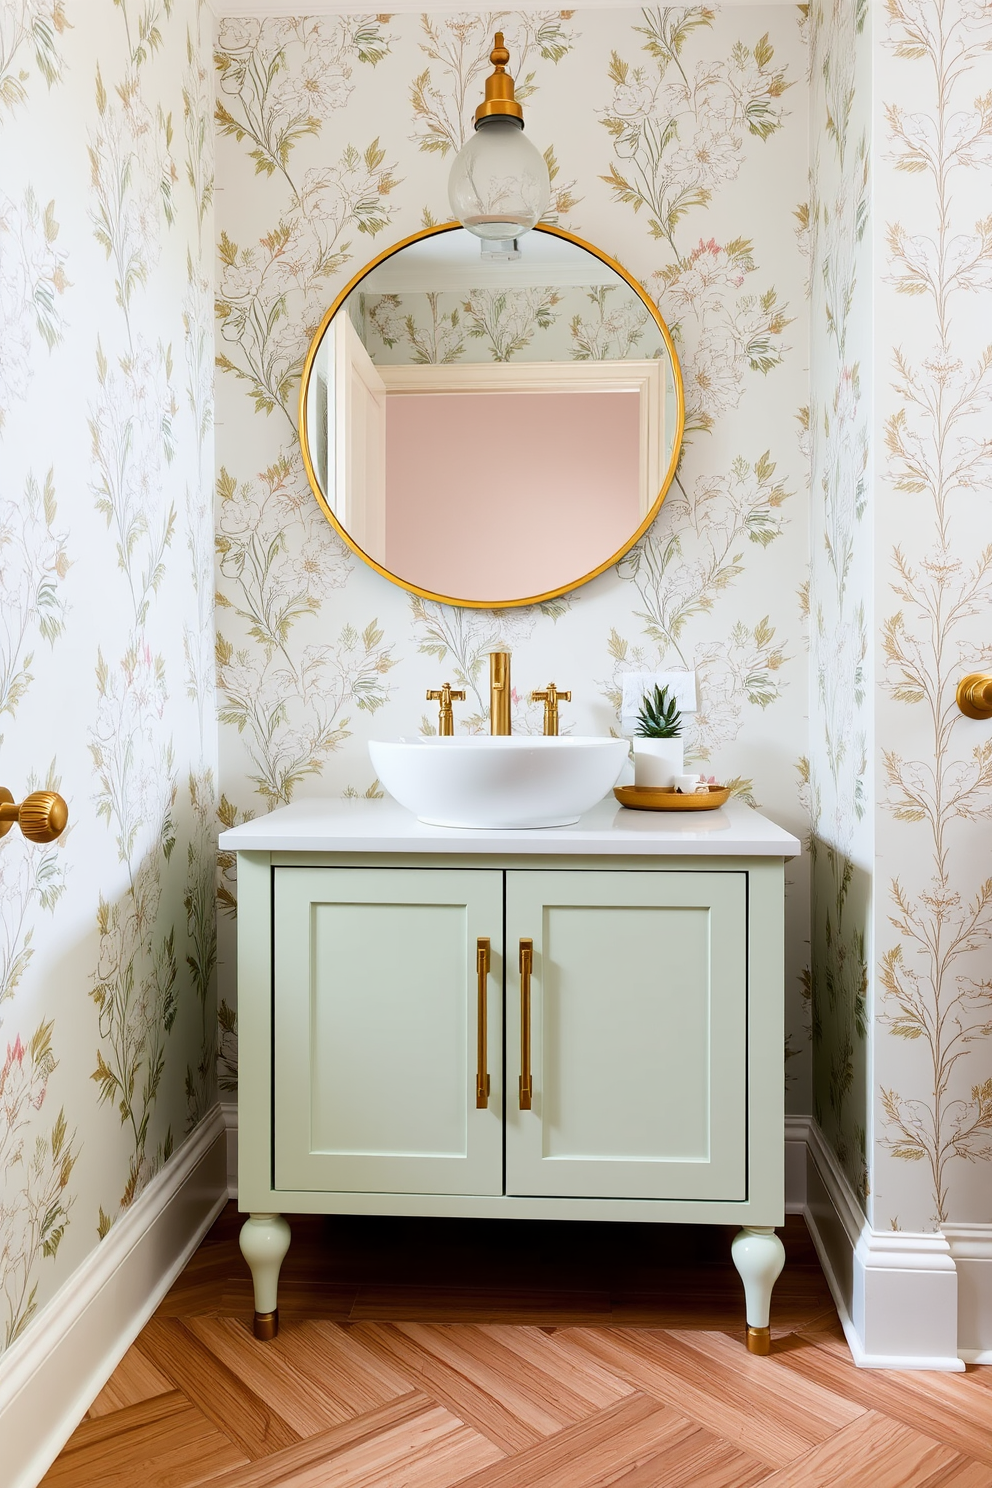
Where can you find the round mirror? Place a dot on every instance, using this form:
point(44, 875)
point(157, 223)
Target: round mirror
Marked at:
point(491, 424)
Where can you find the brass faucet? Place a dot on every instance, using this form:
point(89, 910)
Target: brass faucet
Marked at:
point(499, 692)
point(446, 719)
point(551, 697)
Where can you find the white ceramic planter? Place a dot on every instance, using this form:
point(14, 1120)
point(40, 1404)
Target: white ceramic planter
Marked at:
point(657, 761)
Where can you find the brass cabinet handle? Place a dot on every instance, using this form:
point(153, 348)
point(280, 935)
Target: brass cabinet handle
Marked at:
point(526, 967)
point(482, 1072)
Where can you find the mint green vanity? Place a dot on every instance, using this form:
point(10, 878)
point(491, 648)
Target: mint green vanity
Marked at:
point(566, 1023)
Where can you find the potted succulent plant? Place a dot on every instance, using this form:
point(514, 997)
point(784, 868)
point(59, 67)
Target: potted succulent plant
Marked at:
point(658, 748)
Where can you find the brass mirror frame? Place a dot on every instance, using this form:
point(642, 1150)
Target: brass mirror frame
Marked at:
point(532, 599)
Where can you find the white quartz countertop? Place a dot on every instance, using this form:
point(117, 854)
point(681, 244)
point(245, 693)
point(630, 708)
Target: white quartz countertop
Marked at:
point(362, 826)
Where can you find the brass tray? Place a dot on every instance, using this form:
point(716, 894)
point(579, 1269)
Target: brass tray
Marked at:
point(667, 798)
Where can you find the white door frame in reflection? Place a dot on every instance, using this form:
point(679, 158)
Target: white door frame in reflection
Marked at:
point(338, 460)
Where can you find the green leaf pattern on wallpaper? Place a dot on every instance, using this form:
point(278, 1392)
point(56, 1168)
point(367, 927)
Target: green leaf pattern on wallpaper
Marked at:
point(680, 127)
point(32, 282)
point(137, 984)
point(542, 324)
point(937, 993)
point(308, 638)
point(111, 547)
point(30, 32)
point(835, 775)
point(36, 1158)
point(38, 1151)
point(278, 81)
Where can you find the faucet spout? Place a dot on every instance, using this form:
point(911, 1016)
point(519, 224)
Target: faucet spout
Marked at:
point(499, 692)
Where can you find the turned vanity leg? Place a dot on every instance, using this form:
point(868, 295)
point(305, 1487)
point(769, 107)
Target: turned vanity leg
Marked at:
point(759, 1256)
point(264, 1242)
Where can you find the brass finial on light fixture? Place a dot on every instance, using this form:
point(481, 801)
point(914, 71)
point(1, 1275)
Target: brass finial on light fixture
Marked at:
point(499, 185)
point(500, 97)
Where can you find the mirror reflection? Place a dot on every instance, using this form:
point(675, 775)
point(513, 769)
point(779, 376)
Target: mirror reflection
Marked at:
point(491, 423)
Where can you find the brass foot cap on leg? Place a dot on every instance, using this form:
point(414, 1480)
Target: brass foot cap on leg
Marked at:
point(266, 1325)
point(759, 1340)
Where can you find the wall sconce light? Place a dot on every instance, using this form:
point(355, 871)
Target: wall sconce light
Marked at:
point(499, 185)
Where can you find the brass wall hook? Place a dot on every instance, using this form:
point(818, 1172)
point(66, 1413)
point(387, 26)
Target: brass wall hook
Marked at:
point(42, 816)
point(974, 695)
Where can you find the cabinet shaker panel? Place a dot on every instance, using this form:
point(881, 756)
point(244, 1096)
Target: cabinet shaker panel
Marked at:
point(378, 989)
point(634, 1029)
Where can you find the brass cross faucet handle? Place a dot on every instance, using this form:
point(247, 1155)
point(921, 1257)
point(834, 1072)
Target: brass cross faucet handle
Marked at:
point(446, 719)
point(551, 697)
point(42, 816)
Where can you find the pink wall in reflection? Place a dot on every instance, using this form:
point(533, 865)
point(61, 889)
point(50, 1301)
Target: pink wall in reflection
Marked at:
point(500, 495)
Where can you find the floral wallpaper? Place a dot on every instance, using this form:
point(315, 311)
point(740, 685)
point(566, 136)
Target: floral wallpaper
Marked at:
point(836, 774)
point(745, 165)
point(107, 949)
point(898, 782)
point(933, 1050)
point(595, 322)
point(686, 163)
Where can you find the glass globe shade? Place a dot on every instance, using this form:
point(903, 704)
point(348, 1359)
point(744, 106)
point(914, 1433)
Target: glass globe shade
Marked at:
point(499, 185)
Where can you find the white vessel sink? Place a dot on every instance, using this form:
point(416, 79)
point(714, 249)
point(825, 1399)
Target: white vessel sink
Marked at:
point(486, 781)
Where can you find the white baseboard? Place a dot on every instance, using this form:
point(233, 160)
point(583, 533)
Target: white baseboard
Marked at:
point(229, 1111)
point(796, 1142)
point(971, 1249)
point(51, 1375)
point(896, 1292)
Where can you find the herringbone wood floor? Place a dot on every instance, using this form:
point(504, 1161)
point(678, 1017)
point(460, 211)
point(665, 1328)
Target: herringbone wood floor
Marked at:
point(422, 1354)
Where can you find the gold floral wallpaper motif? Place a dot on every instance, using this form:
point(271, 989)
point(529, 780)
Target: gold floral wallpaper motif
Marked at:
point(837, 786)
point(107, 945)
point(335, 139)
point(602, 322)
point(933, 1066)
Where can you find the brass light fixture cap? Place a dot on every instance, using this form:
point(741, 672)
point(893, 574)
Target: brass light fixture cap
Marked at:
point(759, 1340)
point(499, 97)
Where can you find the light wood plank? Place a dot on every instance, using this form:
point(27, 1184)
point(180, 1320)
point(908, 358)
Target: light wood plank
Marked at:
point(278, 1376)
point(951, 1408)
point(534, 1395)
point(768, 1417)
point(487, 1413)
point(355, 1378)
point(883, 1453)
point(413, 1443)
point(164, 1442)
point(587, 1381)
point(135, 1379)
point(598, 1450)
point(234, 1409)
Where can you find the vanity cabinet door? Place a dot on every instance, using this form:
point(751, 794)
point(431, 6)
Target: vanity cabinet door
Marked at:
point(638, 1034)
point(377, 994)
